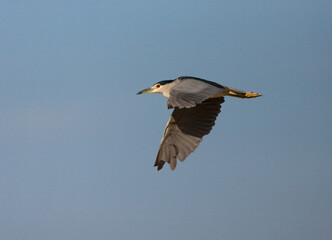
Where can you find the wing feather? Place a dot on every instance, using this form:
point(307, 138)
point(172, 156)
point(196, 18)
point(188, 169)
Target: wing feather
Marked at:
point(185, 130)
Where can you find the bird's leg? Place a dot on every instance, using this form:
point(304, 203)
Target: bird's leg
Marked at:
point(241, 94)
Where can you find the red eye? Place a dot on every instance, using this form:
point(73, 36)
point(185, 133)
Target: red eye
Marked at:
point(158, 86)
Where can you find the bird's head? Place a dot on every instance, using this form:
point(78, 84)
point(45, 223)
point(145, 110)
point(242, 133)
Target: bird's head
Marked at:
point(159, 87)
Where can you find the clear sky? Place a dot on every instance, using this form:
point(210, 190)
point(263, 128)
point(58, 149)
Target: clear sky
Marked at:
point(77, 145)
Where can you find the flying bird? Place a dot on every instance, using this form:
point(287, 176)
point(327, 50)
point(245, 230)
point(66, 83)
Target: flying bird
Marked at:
point(197, 103)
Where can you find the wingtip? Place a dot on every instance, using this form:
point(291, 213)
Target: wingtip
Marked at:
point(159, 165)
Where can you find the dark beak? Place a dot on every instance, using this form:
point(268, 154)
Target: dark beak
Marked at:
point(147, 90)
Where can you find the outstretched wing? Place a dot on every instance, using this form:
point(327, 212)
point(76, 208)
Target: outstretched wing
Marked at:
point(190, 91)
point(185, 130)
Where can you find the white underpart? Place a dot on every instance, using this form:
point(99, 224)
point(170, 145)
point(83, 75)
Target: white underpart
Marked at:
point(220, 94)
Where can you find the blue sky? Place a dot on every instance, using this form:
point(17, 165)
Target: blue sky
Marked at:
point(77, 146)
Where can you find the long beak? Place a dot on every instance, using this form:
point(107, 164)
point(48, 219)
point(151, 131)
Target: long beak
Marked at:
point(147, 90)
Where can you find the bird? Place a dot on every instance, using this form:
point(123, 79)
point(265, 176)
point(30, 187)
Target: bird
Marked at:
point(196, 103)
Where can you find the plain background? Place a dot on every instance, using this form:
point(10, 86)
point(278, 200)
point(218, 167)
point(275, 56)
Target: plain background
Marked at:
point(77, 146)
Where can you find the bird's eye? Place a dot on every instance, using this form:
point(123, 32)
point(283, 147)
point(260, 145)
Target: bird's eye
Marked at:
point(158, 86)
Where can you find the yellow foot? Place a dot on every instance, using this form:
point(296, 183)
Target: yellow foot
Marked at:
point(252, 95)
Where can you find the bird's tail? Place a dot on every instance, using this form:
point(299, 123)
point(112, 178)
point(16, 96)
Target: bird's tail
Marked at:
point(233, 92)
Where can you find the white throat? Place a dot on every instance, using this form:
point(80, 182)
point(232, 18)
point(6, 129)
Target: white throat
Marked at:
point(165, 89)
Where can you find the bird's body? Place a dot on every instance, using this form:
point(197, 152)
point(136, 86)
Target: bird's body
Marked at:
point(197, 103)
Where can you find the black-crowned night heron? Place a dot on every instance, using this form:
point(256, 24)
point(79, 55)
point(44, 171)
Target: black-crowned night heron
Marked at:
point(197, 103)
